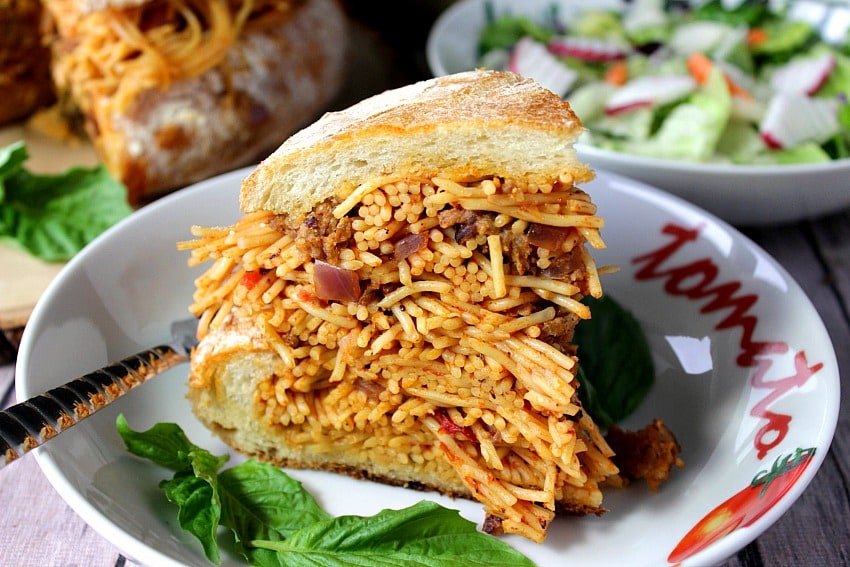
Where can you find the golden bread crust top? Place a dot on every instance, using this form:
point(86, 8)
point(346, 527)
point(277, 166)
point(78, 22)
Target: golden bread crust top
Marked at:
point(466, 126)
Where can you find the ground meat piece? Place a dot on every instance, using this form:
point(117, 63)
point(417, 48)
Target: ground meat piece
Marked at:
point(292, 339)
point(561, 267)
point(568, 267)
point(321, 235)
point(649, 454)
point(455, 215)
point(467, 224)
point(560, 330)
point(483, 225)
point(516, 247)
point(492, 525)
point(372, 294)
point(309, 241)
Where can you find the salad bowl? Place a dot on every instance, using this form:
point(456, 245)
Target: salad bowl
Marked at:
point(750, 188)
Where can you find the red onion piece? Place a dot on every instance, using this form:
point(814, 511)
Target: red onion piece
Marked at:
point(410, 244)
point(548, 237)
point(333, 283)
point(372, 389)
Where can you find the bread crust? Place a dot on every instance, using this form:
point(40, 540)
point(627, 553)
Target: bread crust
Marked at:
point(468, 126)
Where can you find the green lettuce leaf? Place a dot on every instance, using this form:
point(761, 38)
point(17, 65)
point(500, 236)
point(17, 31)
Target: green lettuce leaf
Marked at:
point(785, 39)
point(505, 32)
point(692, 129)
point(803, 153)
point(748, 13)
point(599, 24)
point(741, 143)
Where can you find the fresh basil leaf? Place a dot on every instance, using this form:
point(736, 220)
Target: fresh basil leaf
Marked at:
point(425, 534)
point(194, 486)
point(616, 367)
point(54, 216)
point(260, 501)
point(199, 509)
point(197, 494)
point(12, 158)
point(590, 400)
point(276, 523)
point(165, 444)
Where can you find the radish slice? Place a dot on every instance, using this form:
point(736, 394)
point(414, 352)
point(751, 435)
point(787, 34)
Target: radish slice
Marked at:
point(587, 49)
point(793, 118)
point(647, 91)
point(803, 75)
point(702, 36)
point(531, 59)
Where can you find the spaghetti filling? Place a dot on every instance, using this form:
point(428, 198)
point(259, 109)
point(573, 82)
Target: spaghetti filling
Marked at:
point(427, 322)
point(111, 55)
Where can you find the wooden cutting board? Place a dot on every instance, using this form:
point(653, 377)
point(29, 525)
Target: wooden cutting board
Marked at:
point(23, 278)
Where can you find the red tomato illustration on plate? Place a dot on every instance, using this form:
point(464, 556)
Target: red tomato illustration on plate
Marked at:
point(745, 507)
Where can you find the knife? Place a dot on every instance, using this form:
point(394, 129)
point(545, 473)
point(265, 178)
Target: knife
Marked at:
point(33, 422)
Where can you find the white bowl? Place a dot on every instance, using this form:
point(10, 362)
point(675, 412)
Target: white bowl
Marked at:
point(732, 415)
point(740, 194)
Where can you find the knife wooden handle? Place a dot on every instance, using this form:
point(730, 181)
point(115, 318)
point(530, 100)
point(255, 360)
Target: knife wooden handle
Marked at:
point(31, 423)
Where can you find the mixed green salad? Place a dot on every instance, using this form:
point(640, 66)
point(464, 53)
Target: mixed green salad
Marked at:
point(719, 81)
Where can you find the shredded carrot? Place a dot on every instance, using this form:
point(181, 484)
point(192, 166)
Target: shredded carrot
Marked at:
point(700, 67)
point(736, 89)
point(617, 74)
point(756, 36)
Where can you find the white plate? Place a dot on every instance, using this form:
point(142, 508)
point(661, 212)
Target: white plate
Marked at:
point(119, 295)
point(741, 194)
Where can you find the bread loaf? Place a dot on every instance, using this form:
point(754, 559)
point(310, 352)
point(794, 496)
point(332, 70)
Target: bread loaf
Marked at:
point(174, 91)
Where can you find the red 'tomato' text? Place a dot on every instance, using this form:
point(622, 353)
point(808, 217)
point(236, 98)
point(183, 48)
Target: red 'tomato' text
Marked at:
point(697, 281)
